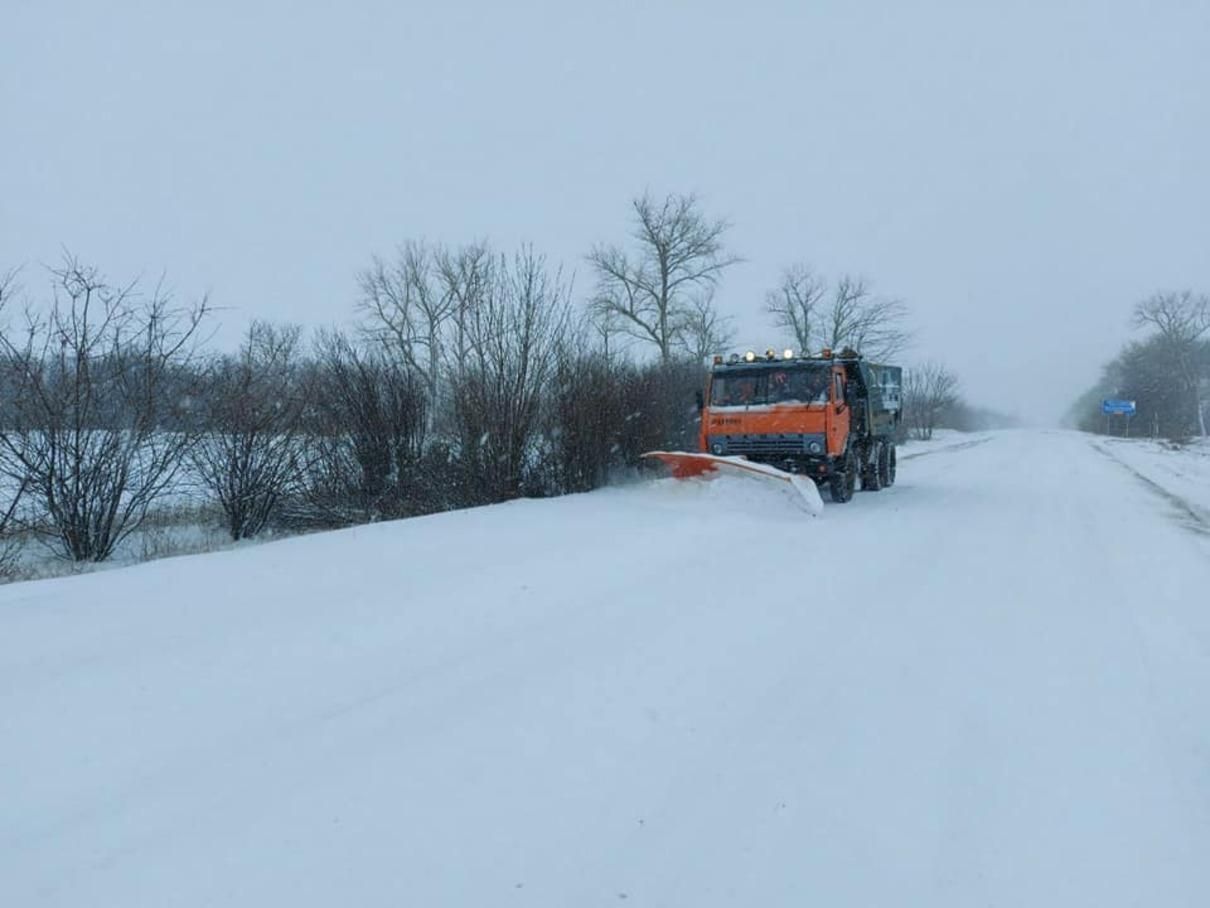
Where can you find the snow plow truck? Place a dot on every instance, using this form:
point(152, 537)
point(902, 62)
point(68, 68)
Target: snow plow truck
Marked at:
point(830, 417)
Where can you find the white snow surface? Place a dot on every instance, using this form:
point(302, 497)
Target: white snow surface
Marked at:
point(988, 685)
point(1181, 471)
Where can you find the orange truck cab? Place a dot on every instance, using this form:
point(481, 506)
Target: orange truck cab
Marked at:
point(830, 417)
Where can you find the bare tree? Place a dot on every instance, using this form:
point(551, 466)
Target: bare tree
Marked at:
point(878, 331)
point(8, 284)
point(679, 258)
point(100, 427)
point(11, 541)
point(849, 315)
point(409, 308)
point(466, 276)
point(249, 456)
point(1181, 320)
point(870, 324)
point(604, 332)
point(705, 331)
point(845, 311)
point(512, 341)
point(795, 304)
point(928, 391)
point(13, 488)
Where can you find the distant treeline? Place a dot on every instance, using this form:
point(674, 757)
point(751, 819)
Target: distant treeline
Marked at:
point(1166, 373)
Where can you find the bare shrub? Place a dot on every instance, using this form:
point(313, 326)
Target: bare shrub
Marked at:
point(363, 435)
point(512, 339)
point(101, 379)
point(929, 390)
point(249, 456)
point(585, 416)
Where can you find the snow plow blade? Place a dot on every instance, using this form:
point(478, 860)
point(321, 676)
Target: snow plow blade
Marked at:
point(687, 465)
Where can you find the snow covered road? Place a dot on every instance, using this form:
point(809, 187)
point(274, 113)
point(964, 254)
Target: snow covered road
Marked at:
point(989, 685)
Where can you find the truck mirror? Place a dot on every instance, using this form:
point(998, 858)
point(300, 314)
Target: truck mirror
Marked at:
point(697, 395)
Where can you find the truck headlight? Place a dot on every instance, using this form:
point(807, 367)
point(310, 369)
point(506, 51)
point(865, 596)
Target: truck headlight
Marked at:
point(814, 447)
point(717, 448)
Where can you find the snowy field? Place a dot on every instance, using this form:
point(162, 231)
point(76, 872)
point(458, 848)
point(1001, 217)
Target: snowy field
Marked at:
point(988, 685)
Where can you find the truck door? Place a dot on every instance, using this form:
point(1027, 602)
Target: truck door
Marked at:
point(839, 416)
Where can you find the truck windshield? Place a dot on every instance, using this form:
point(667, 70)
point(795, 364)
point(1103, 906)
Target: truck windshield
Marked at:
point(791, 385)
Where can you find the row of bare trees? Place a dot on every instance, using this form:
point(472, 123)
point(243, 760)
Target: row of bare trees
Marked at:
point(817, 313)
point(470, 378)
point(660, 289)
point(847, 313)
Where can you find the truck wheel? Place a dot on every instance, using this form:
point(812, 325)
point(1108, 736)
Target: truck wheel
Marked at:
point(886, 464)
point(844, 482)
point(871, 477)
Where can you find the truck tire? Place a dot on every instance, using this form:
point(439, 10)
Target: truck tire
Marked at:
point(842, 483)
point(871, 477)
point(887, 464)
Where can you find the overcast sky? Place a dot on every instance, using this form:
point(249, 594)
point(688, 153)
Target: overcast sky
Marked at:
point(1020, 173)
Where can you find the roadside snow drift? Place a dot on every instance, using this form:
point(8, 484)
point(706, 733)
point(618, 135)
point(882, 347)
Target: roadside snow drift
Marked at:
point(967, 689)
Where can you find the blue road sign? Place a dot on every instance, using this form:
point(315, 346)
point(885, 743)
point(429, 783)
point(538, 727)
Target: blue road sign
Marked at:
point(1118, 407)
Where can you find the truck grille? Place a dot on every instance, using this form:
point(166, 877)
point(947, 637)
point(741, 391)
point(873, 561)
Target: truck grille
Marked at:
point(740, 445)
point(765, 444)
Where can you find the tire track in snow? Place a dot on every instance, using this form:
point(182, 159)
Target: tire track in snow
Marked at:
point(1188, 514)
point(960, 446)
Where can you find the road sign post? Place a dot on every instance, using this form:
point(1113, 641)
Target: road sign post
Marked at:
point(1115, 407)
